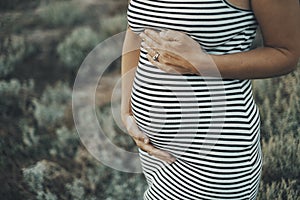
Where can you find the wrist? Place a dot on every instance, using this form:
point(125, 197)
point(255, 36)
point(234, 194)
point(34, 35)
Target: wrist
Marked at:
point(203, 64)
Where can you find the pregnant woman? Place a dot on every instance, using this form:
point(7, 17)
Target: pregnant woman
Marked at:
point(186, 91)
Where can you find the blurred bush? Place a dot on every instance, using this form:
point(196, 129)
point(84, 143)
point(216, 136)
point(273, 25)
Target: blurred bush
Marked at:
point(13, 50)
point(76, 189)
point(30, 138)
point(114, 133)
point(45, 175)
point(113, 25)
point(281, 161)
point(76, 46)
point(125, 187)
point(61, 13)
point(15, 98)
point(66, 144)
point(50, 108)
point(12, 4)
point(279, 104)
point(279, 190)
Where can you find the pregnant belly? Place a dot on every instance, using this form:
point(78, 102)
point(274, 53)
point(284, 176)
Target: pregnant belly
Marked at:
point(190, 116)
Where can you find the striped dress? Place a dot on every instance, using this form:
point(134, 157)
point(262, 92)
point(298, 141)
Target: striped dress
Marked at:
point(210, 124)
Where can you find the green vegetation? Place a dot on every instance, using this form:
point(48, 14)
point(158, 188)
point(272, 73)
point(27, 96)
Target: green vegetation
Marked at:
point(61, 13)
point(49, 110)
point(13, 51)
point(16, 98)
point(279, 103)
point(41, 156)
point(113, 25)
point(75, 47)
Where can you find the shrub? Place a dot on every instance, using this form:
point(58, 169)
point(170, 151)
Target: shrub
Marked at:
point(12, 4)
point(29, 136)
point(280, 190)
point(61, 13)
point(76, 189)
point(34, 176)
point(50, 108)
point(113, 25)
point(13, 51)
point(281, 157)
point(59, 93)
point(15, 98)
point(43, 176)
point(66, 144)
point(112, 130)
point(279, 103)
point(42, 195)
point(75, 47)
point(133, 188)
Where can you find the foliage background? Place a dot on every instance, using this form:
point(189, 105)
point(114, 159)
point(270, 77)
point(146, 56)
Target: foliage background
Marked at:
point(42, 44)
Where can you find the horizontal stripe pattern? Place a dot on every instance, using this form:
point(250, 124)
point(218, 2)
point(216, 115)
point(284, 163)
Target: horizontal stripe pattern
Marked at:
point(218, 27)
point(211, 125)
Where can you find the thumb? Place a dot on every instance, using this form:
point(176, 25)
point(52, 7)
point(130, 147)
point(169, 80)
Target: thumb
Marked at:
point(134, 130)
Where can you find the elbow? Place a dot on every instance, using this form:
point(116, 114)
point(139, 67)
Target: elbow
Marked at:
point(293, 54)
point(294, 67)
point(289, 67)
point(290, 60)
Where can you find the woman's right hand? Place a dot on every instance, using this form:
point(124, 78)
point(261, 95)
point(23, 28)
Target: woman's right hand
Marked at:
point(142, 141)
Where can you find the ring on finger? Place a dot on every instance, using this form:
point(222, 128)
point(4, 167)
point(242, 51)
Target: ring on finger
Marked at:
point(156, 56)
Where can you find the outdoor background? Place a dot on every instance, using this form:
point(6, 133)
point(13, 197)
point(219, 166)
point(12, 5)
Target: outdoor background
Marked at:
point(42, 44)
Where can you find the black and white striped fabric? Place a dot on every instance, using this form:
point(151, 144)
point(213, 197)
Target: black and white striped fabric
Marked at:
point(211, 125)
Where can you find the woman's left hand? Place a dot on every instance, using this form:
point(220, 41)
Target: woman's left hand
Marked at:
point(177, 52)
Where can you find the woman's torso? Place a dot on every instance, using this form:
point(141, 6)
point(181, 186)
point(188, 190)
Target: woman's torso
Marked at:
point(219, 27)
point(181, 112)
point(210, 124)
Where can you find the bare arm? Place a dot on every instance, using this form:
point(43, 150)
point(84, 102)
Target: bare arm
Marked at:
point(279, 21)
point(130, 59)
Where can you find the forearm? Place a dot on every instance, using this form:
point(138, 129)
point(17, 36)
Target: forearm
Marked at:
point(130, 59)
point(279, 23)
point(258, 63)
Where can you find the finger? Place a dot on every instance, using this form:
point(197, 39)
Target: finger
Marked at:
point(171, 35)
point(152, 52)
point(164, 67)
point(154, 35)
point(163, 155)
point(135, 132)
point(148, 41)
point(161, 55)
